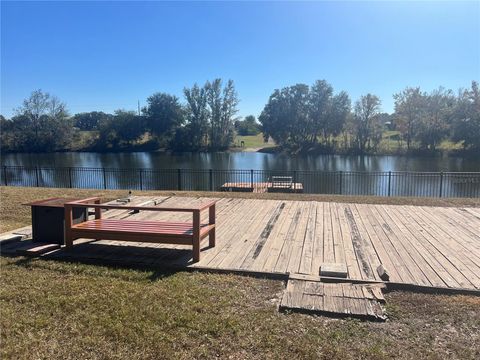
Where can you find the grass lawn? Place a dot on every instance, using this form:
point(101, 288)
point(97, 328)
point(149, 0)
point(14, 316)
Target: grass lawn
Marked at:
point(253, 141)
point(60, 310)
point(65, 310)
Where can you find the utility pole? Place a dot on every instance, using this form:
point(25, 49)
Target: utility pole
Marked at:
point(138, 107)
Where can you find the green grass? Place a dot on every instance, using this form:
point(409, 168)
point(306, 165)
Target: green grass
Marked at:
point(253, 141)
point(60, 310)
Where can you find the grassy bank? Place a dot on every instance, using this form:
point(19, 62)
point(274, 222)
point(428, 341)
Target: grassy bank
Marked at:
point(69, 311)
point(14, 215)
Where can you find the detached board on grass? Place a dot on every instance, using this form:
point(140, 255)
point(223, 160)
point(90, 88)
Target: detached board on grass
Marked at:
point(364, 301)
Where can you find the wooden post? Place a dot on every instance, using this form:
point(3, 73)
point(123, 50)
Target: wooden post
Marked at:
point(211, 220)
point(196, 236)
point(98, 211)
point(68, 225)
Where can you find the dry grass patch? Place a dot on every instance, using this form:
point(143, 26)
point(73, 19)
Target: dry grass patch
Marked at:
point(65, 310)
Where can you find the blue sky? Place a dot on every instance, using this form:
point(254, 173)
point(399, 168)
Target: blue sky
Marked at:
point(107, 55)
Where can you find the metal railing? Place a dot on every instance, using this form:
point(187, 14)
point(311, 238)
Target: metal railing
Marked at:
point(389, 183)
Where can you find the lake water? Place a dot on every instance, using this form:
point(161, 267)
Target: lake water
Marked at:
point(242, 160)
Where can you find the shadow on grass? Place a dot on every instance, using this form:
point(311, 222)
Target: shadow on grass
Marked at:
point(159, 263)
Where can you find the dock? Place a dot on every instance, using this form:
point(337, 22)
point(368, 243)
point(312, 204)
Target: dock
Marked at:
point(262, 187)
point(434, 249)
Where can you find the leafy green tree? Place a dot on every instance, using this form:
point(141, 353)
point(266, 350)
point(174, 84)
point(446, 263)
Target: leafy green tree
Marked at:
point(88, 121)
point(223, 107)
point(409, 112)
point(164, 115)
point(248, 126)
point(44, 118)
point(366, 125)
point(466, 123)
point(197, 117)
point(434, 126)
point(120, 130)
point(285, 117)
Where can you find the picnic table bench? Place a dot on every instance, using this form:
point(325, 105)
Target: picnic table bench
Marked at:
point(177, 233)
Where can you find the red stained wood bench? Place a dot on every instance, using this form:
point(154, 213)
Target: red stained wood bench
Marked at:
point(177, 233)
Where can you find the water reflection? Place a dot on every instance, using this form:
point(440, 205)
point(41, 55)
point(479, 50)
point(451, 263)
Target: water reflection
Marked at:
point(247, 160)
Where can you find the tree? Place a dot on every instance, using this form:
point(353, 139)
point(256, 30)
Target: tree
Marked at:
point(248, 126)
point(197, 117)
point(88, 121)
point(285, 117)
point(367, 128)
point(164, 114)
point(45, 119)
point(320, 109)
point(223, 107)
point(299, 115)
point(434, 126)
point(120, 130)
point(409, 111)
point(466, 119)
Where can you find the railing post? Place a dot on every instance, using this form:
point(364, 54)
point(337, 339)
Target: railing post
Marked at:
point(179, 179)
point(389, 182)
point(294, 180)
point(341, 182)
point(251, 178)
point(141, 178)
point(36, 175)
point(70, 176)
point(210, 179)
point(5, 174)
point(104, 179)
point(441, 185)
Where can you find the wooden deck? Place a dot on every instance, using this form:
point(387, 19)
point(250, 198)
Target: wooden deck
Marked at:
point(424, 247)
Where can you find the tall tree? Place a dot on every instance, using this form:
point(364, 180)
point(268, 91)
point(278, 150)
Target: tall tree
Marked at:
point(367, 127)
point(409, 111)
point(89, 120)
point(434, 126)
point(223, 107)
point(320, 109)
point(466, 119)
point(197, 116)
point(47, 119)
point(164, 114)
point(285, 116)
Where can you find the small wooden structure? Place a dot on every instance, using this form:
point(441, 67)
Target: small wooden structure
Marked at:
point(262, 187)
point(176, 233)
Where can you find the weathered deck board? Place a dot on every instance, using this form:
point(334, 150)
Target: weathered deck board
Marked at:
point(425, 246)
point(336, 299)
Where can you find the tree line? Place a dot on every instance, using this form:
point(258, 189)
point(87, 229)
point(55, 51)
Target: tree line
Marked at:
point(302, 117)
point(206, 120)
point(297, 118)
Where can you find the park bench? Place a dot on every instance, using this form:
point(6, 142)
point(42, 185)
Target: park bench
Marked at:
point(282, 182)
point(177, 233)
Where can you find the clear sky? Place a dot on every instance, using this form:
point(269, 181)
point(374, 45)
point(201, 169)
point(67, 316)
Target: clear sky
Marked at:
point(107, 55)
